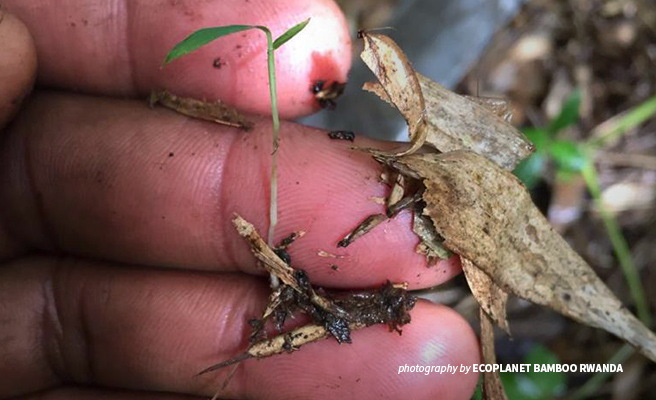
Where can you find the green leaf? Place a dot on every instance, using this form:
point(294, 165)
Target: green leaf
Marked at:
point(202, 37)
point(569, 114)
point(568, 156)
point(530, 170)
point(617, 126)
point(549, 384)
point(539, 137)
point(535, 385)
point(290, 33)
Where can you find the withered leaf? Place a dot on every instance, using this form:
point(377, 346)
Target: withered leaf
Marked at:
point(367, 225)
point(264, 253)
point(492, 386)
point(209, 111)
point(398, 189)
point(431, 243)
point(280, 344)
point(276, 266)
point(296, 338)
point(486, 215)
point(498, 106)
point(489, 296)
point(390, 304)
point(455, 122)
point(399, 83)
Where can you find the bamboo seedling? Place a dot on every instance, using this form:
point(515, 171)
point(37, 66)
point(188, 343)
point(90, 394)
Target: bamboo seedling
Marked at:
point(205, 36)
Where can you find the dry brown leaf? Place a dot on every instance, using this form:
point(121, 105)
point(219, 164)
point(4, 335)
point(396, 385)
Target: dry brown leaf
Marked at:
point(378, 200)
point(431, 242)
point(489, 296)
point(397, 191)
point(214, 112)
point(399, 83)
point(323, 253)
point(492, 386)
point(455, 122)
point(367, 225)
point(498, 106)
point(276, 266)
point(268, 258)
point(284, 342)
point(486, 215)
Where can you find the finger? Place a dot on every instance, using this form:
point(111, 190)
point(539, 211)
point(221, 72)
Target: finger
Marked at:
point(88, 323)
point(117, 49)
point(17, 72)
point(17, 64)
point(84, 393)
point(116, 180)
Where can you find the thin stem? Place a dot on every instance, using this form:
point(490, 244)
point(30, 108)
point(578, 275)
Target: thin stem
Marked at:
point(604, 134)
point(614, 128)
point(273, 202)
point(620, 246)
point(591, 387)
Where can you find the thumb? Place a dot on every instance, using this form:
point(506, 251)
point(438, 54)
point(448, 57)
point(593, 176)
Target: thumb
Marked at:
point(17, 64)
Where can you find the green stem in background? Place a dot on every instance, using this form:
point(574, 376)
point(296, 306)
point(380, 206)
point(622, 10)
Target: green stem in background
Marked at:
point(620, 245)
point(614, 128)
point(604, 134)
point(591, 387)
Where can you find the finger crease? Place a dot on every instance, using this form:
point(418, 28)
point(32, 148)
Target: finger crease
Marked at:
point(68, 342)
point(47, 228)
point(127, 42)
point(227, 248)
point(52, 330)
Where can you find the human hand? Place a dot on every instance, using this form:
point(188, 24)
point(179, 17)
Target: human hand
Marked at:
point(122, 274)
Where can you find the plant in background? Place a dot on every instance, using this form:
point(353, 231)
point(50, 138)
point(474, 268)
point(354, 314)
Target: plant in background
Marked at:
point(567, 155)
point(571, 158)
point(534, 385)
point(204, 36)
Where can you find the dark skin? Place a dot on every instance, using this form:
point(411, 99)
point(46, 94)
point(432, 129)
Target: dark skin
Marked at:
point(122, 275)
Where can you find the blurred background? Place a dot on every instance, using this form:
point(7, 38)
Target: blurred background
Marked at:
point(581, 78)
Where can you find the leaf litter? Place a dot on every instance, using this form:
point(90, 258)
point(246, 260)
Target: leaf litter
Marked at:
point(333, 314)
point(465, 201)
point(217, 111)
point(481, 212)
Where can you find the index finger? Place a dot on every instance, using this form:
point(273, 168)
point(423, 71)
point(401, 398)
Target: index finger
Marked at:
point(117, 48)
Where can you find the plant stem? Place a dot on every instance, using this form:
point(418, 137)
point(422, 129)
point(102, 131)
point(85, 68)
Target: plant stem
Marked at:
point(606, 133)
point(620, 247)
point(612, 129)
point(273, 192)
point(591, 387)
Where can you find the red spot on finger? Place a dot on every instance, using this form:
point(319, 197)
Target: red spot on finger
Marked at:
point(325, 72)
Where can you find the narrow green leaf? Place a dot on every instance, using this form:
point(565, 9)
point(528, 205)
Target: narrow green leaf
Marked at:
point(569, 114)
point(290, 33)
point(568, 156)
point(200, 38)
point(615, 127)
